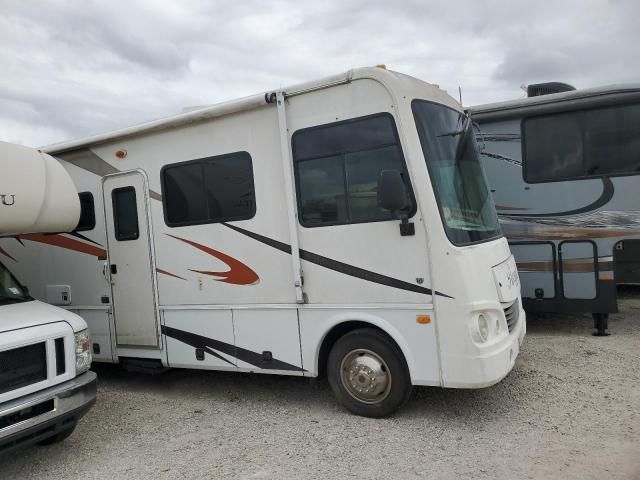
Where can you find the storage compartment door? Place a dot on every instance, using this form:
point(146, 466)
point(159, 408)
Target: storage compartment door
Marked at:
point(536, 266)
point(578, 263)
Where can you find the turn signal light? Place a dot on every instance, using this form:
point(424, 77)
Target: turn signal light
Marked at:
point(423, 319)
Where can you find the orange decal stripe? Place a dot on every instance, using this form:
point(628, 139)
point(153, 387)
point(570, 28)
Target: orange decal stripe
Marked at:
point(164, 272)
point(58, 240)
point(238, 273)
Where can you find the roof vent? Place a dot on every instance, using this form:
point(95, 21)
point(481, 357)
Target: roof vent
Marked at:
point(537, 89)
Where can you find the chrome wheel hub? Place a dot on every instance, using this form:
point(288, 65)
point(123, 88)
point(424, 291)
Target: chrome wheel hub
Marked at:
point(365, 376)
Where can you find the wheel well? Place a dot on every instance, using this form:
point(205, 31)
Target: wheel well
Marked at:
point(338, 331)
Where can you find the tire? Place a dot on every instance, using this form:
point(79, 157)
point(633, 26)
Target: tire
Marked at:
point(368, 373)
point(58, 437)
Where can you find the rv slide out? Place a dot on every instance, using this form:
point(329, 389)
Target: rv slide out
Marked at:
point(564, 170)
point(341, 227)
point(45, 385)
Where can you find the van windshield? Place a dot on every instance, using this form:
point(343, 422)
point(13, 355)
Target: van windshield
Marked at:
point(10, 289)
point(451, 153)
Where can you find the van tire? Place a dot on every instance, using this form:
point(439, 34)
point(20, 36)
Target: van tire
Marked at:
point(368, 373)
point(58, 437)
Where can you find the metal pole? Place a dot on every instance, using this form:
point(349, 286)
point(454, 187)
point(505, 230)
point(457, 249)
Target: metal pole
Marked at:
point(291, 199)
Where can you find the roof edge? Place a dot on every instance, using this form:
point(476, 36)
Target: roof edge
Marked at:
point(205, 113)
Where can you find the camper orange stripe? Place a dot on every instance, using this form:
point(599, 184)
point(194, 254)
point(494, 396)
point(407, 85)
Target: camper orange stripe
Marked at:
point(238, 273)
point(64, 242)
point(164, 272)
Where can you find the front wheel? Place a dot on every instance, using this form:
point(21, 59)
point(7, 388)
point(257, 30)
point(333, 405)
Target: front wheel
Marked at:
point(368, 374)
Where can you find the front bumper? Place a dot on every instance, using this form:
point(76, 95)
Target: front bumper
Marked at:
point(491, 365)
point(61, 406)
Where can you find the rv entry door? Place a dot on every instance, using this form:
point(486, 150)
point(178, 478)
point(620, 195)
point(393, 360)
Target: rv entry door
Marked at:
point(131, 263)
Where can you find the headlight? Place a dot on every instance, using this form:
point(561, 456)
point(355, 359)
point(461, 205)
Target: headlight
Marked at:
point(497, 325)
point(83, 353)
point(483, 327)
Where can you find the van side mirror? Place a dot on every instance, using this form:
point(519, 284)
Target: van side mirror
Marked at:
point(392, 196)
point(392, 192)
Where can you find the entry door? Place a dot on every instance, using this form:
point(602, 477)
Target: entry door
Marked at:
point(130, 260)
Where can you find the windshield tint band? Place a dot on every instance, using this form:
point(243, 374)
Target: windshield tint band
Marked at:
point(460, 186)
point(10, 289)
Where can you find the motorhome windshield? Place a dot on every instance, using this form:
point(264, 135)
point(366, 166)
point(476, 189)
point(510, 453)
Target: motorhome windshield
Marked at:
point(10, 290)
point(450, 150)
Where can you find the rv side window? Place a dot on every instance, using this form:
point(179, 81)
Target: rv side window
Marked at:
point(598, 142)
point(337, 167)
point(125, 213)
point(87, 212)
point(208, 190)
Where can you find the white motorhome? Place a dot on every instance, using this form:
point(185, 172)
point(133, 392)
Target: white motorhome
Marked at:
point(45, 385)
point(341, 227)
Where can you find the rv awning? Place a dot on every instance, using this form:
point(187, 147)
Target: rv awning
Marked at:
point(37, 194)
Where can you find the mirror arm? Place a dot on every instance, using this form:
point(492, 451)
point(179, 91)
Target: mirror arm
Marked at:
point(407, 228)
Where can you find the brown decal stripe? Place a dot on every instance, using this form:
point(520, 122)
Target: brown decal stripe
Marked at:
point(238, 273)
point(568, 266)
point(164, 272)
point(560, 233)
point(58, 240)
point(86, 159)
point(6, 254)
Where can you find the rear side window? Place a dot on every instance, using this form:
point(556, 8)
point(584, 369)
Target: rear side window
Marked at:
point(87, 212)
point(209, 190)
point(337, 167)
point(125, 213)
point(590, 143)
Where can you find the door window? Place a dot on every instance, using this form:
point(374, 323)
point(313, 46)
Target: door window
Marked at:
point(125, 213)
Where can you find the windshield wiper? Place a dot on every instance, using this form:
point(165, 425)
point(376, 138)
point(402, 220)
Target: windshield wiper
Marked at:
point(452, 134)
point(465, 137)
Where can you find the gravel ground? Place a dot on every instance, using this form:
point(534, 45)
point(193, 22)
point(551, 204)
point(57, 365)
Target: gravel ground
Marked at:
point(570, 409)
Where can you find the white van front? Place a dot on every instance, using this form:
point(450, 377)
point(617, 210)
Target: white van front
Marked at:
point(45, 382)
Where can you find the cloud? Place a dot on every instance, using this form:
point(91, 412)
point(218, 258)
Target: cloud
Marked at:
point(71, 70)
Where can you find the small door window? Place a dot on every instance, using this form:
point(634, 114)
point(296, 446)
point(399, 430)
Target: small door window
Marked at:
point(125, 213)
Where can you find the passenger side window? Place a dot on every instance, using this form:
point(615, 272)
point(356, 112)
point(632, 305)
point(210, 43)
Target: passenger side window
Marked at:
point(87, 212)
point(598, 142)
point(208, 190)
point(125, 213)
point(337, 167)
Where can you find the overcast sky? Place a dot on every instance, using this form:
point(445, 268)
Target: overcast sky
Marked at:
point(69, 69)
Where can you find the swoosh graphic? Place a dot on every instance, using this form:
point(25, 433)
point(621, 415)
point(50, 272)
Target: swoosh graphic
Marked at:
point(64, 242)
point(210, 345)
point(337, 266)
point(238, 273)
point(164, 272)
point(607, 194)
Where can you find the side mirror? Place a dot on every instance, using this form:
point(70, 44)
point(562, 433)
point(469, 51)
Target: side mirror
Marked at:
point(392, 196)
point(392, 192)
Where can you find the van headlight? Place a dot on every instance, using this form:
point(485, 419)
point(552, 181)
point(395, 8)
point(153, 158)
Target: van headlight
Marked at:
point(83, 353)
point(483, 327)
